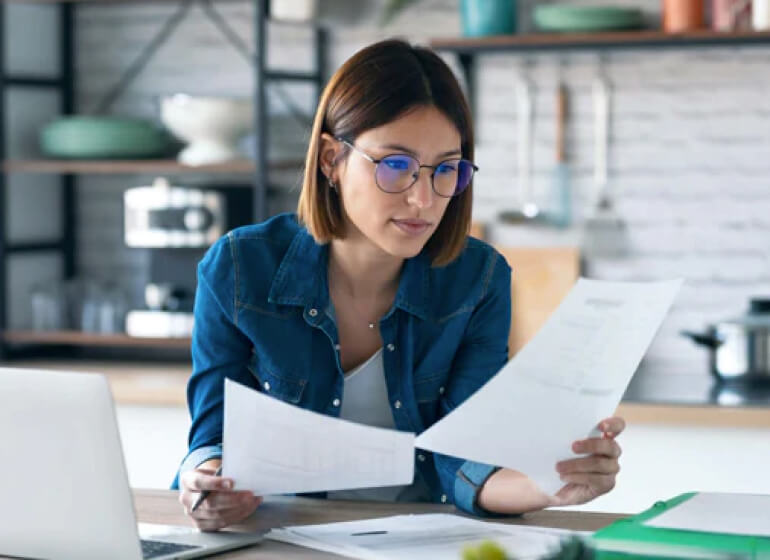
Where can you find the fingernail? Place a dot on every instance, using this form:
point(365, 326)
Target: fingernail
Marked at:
point(604, 427)
point(576, 446)
point(227, 484)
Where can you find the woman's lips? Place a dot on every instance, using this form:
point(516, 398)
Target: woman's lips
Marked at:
point(412, 227)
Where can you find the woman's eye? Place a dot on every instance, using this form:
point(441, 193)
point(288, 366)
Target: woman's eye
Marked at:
point(397, 164)
point(446, 168)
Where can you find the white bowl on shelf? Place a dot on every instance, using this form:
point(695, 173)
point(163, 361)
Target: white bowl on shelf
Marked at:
point(212, 126)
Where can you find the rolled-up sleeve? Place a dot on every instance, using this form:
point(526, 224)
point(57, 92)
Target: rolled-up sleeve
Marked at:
point(483, 352)
point(219, 350)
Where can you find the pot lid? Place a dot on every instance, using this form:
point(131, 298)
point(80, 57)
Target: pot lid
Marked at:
point(757, 316)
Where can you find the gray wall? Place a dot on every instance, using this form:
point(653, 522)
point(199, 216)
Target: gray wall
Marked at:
point(689, 153)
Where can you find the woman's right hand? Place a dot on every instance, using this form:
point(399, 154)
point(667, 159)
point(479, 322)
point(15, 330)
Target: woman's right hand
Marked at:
point(223, 506)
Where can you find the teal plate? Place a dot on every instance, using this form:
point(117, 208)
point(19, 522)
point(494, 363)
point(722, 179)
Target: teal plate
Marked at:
point(558, 17)
point(81, 137)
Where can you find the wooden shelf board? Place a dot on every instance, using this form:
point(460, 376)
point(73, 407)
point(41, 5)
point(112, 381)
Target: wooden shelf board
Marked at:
point(135, 166)
point(77, 338)
point(619, 39)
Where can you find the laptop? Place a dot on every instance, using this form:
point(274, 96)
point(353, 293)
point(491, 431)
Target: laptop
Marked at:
point(63, 482)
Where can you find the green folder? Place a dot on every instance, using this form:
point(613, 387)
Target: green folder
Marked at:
point(630, 538)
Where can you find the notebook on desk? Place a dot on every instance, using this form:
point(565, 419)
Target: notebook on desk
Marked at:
point(63, 483)
point(693, 525)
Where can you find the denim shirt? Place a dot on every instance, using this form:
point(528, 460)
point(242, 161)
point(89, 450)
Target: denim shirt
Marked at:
point(264, 318)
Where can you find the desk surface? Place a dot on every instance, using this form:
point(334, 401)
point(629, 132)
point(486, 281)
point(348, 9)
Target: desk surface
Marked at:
point(161, 506)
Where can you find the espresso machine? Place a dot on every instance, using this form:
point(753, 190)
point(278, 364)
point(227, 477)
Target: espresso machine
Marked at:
point(177, 224)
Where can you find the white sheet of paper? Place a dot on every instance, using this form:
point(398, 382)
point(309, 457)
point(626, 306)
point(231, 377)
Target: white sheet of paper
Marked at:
point(556, 390)
point(271, 447)
point(427, 537)
point(738, 514)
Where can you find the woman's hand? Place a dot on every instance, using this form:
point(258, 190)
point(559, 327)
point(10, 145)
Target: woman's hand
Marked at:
point(223, 506)
point(589, 477)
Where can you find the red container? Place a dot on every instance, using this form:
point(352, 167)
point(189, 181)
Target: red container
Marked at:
point(682, 15)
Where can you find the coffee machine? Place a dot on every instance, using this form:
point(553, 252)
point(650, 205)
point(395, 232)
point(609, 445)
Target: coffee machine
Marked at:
point(177, 224)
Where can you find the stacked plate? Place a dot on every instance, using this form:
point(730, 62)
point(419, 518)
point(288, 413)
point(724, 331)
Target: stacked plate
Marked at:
point(568, 18)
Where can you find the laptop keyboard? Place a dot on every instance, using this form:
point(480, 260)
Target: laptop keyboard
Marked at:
point(153, 549)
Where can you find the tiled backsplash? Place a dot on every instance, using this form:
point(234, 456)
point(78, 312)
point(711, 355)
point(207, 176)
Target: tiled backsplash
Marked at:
point(689, 155)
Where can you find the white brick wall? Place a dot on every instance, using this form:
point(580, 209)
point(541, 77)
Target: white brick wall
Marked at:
point(689, 156)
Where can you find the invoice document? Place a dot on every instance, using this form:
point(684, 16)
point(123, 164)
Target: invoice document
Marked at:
point(271, 447)
point(556, 390)
point(424, 537)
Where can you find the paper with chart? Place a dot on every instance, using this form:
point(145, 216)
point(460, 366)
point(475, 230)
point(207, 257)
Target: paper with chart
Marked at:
point(570, 376)
point(427, 537)
point(271, 447)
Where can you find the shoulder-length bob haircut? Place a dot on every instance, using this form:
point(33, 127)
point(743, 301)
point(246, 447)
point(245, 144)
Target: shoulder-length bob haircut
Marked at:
point(377, 85)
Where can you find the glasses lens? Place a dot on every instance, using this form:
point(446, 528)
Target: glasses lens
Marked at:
point(396, 173)
point(452, 177)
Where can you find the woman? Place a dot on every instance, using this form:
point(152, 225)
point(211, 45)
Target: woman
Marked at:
point(373, 291)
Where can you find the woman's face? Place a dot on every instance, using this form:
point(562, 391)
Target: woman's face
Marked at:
point(398, 224)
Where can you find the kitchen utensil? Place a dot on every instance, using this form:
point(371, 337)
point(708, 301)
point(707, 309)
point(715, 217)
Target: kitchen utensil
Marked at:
point(682, 15)
point(212, 126)
point(528, 209)
point(605, 231)
point(558, 206)
point(739, 348)
point(103, 137)
point(566, 18)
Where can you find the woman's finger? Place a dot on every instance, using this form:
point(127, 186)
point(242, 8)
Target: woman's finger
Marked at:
point(601, 483)
point(217, 501)
point(197, 481)
point(598, 446)
point(595, 464)
point(613, 426)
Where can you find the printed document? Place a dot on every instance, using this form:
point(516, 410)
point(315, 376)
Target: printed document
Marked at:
point(426, 537)
point(557, 389)
point(271, 447)
point(735, 514)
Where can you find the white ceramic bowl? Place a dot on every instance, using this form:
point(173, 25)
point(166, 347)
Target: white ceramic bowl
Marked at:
point(211, 126)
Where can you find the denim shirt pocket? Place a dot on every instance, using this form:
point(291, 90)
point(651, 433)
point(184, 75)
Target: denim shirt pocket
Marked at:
point(428, 391)
point(279, 386)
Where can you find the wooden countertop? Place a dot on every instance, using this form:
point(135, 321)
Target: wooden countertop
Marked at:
point(161, 506)
point(164, 384)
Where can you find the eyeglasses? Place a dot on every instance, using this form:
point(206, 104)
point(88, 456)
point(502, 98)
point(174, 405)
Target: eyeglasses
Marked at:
point(397, 173)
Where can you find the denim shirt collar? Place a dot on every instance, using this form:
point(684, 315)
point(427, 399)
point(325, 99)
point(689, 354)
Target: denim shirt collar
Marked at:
point(301, 278)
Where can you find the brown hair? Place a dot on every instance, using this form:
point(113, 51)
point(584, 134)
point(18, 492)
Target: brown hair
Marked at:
point(375, 86)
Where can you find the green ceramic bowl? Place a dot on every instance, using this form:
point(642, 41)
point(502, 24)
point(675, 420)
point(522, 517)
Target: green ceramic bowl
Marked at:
point(559, 17)
point(81, 137)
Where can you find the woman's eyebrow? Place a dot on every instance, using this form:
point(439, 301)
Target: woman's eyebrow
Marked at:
point(411, 152)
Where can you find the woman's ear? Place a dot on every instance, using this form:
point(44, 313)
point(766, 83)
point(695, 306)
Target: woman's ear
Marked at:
point(329, 151)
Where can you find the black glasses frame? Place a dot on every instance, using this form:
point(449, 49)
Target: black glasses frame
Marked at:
point(376, 162)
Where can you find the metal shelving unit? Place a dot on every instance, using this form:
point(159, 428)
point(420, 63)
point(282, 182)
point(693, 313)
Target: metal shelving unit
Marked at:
point(65, 85)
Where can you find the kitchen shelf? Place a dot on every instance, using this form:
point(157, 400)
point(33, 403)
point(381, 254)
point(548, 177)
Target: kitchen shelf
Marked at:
point(608, 39)
point(78, 338)
point(103, 167)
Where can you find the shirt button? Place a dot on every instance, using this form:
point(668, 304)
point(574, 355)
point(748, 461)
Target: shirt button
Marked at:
point(313, 312)
point(266, 386)
point(391, 347)
point(336, 402)
point(421, 457)
point(337, 347)
point(397, 404)
point(443, 498)
point(440, 390)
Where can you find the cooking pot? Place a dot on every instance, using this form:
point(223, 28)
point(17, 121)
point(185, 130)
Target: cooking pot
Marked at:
point(740, 347)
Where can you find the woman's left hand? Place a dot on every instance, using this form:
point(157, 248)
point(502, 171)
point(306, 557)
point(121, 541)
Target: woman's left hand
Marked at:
point(589, 477)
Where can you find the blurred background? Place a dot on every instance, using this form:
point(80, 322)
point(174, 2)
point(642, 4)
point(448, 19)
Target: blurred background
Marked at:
point(618, 139)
